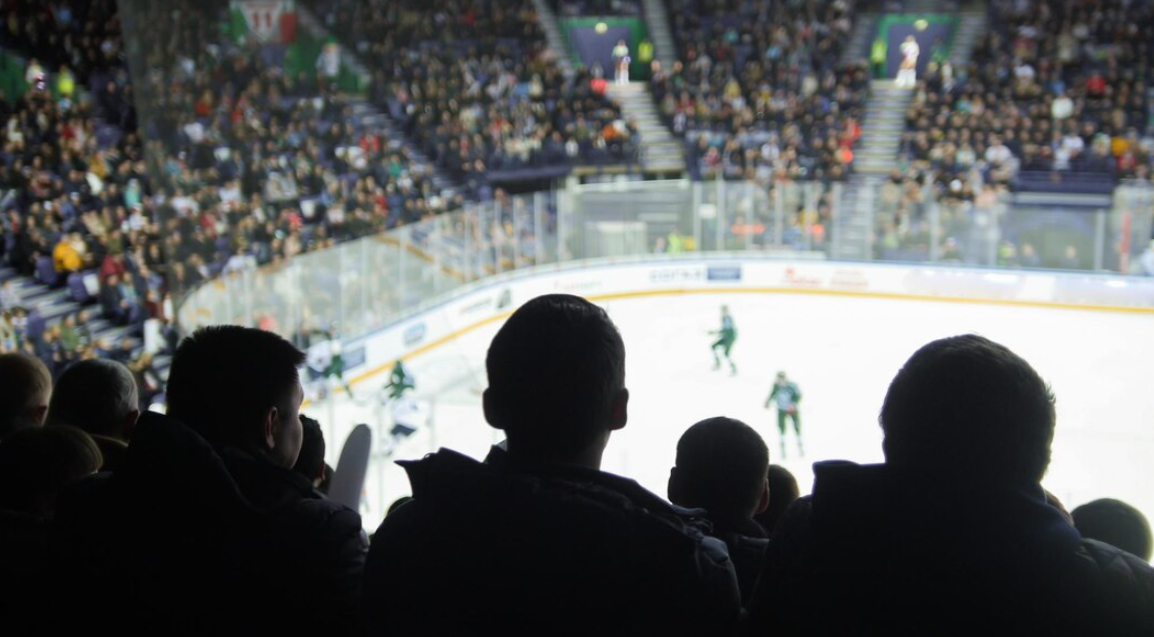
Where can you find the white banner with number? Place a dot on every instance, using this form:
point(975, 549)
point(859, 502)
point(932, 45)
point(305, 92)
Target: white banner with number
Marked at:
point(263, 17)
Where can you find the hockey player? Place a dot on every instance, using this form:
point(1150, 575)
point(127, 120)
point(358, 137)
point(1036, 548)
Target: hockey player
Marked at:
point(725, 338)
point(399, 381)
point(787, 396)
point(336, 368)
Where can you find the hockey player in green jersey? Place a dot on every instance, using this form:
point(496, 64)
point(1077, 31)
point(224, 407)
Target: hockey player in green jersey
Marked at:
point(399, 381)
point(725, 338)
point(787, 395)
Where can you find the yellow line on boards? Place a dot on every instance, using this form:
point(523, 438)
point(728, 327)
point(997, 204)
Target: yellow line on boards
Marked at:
point(896, 296)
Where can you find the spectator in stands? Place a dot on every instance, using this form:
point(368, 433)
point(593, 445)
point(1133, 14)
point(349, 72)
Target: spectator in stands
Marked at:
point(311, 460)
point(98, 396)
point(552, 540)
point(783, 492)
point(25, 388)
point(36, 465)
point(952, 534)
point(722, 467)
point(38, 462)
point(1117, 523)
point(242, 532)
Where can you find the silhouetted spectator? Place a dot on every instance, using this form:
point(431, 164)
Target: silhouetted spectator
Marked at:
point(206, 527)
point(25, 387)
point(98, 396)
point(1115, 522)
point(721, 467)
point(311, 460)
point(537, 538)
point(953, 534)
point(36, 463)
point(782, 493)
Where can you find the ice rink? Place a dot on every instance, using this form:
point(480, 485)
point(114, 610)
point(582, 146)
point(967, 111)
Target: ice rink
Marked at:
point(841, 351)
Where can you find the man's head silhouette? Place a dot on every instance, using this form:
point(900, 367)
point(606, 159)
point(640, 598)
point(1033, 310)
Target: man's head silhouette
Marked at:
point(966, 407)
point(557, 381)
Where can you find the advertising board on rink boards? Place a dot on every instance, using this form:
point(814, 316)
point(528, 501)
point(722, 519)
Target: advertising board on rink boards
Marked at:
point(494, 298)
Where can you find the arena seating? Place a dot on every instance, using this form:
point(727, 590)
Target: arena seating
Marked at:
point(1051, 89)
point(477, 90)
point(257, 169)
point(752, 101)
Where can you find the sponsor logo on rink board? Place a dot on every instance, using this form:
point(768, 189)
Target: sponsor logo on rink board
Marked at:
point(726, 273)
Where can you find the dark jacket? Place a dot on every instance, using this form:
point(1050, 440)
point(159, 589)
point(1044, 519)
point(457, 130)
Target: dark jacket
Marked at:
point(186, 540)
point(25, 571)
point(501, 548)
point(875, 552)
point(746, 542)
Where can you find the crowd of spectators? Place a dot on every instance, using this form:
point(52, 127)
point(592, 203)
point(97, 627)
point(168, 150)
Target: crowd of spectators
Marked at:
point(953, 533)
point(73, 185)
point(244, 167)
point(73, 39)
point(1052, 94)
point(766, 100)
point(1053, 88)
point(757, 97)
point(474, 84)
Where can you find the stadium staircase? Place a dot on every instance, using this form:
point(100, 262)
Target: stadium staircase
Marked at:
point(865, 29)
point(851, 235)
point(657, 19)
point(47, 306)
point(371, 116)
point(885, 120)
point(553, 37)
point(971, 29)
point(661, 151)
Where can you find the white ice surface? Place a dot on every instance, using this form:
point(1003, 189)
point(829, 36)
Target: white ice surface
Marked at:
point(842, 352)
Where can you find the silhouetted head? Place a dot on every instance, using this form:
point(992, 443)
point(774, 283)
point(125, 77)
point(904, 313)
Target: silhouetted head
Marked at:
point(98, 396)
point(782, 493)
point(1117, 523)
point(25, 387)
point(721, 467)
point(311, 459)
point(968, 408)
point(37, 462)
point(557, 380)
point(238, 386)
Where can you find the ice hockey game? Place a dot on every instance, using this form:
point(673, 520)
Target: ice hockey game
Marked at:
point(732, 318)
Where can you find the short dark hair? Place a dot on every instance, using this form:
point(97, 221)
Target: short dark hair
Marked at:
point(311, 460)
point(95, 395)
point(783, 492)
point(967, 406)
point(722, 464)
point(225, 378)
point(555, 368)
point(1114, 522)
